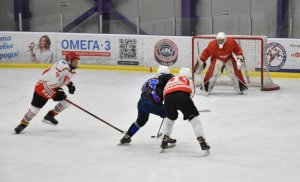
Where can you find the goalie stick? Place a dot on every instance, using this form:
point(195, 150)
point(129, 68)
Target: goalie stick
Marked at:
point(94, 116)
point(246, 72)
point(244, 64)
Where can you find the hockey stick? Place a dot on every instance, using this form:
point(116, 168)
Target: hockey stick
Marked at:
point(158, 133)
point(244, 65)
point(94, 116)
point(204, 110)
point(246, 72)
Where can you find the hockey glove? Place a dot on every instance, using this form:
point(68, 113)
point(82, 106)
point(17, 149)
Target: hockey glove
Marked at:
point(240, 61)
point(71, 88)
point(60, 95)
point(199, 67)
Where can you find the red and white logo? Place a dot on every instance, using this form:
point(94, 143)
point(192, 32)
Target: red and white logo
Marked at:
point(296, 55)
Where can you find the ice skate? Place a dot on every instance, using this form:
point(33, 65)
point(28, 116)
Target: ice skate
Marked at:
point(21, 126)
point(167, 142)
point(204, 146)
point(203, 143)
point(126, 139)
point(172, 141)
point(49, 118)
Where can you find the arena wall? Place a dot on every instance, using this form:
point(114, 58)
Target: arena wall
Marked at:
point(130, 52)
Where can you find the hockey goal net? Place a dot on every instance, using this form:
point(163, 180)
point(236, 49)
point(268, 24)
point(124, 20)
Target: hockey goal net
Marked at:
point(256, 70)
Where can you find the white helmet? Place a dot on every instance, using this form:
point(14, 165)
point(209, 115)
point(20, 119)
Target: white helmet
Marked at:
point(163, 70)
point(185, 72)
point(221, 39)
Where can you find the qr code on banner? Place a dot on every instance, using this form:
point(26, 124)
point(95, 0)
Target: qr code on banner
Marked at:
point(127, 48)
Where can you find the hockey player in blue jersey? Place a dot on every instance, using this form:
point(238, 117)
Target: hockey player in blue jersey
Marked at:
point(151, 101)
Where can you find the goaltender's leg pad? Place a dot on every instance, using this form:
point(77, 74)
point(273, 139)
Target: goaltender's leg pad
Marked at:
point(213, 73)
point(236, 77)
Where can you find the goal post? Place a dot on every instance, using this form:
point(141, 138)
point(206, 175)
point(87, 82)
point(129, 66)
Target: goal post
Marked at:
point(257, 66)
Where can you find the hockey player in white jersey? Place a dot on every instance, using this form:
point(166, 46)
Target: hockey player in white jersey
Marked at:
point(178, 94)
point(50, 86)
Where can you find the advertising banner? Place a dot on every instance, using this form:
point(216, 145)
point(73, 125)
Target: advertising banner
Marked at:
point(284, 55)
point(122, 49)
point(100, 49)
point(169, 51)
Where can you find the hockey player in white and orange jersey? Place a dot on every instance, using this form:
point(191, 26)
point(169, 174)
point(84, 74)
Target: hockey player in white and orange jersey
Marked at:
point(49, 86)
point(222, 51)
point(178, 94)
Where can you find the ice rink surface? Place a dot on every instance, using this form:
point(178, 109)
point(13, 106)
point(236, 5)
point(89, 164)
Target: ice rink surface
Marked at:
point(254, 137)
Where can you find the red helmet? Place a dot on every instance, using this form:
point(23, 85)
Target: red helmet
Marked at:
point(73, 60)
point(72, 56)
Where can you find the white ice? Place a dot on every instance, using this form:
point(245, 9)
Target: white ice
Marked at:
point(254, 137)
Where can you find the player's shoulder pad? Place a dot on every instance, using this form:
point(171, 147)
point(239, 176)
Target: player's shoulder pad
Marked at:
point(152, 78)
point(165, 77)
point(62, 64)
point(230, 39)
point(168, 75)
point(212, 43)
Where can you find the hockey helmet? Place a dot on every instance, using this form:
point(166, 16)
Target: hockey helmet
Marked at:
point(73, 59)
point(221, 39)
point(163, 70)
point(185, 72)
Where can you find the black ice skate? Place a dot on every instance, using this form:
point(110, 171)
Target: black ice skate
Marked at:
point(167, 142)
point(126, 139)
point(49, 118)
point(21, 126)
point(172, 141)
point(203, 143)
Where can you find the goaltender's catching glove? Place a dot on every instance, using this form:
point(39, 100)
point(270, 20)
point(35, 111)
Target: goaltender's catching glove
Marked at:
point(199, 67)
point(240, 61)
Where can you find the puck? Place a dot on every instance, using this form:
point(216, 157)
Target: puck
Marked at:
point(152, 136)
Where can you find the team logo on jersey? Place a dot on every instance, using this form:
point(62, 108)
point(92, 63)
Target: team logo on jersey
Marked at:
point(276, 56)
point(166, 52)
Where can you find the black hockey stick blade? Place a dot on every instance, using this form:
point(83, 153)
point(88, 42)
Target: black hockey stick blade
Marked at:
point(158, 135)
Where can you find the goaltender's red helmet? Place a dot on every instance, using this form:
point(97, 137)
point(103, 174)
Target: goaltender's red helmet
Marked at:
point(72, 56)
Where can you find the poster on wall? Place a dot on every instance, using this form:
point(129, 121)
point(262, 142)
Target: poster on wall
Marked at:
point(129, 51)
point(92, 49)
point(284, 55)
point(168, 51)
point(101, 49)
point(28, 48)
point(25, 47)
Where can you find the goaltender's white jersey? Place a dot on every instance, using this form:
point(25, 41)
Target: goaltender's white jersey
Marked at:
point(54, 77)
